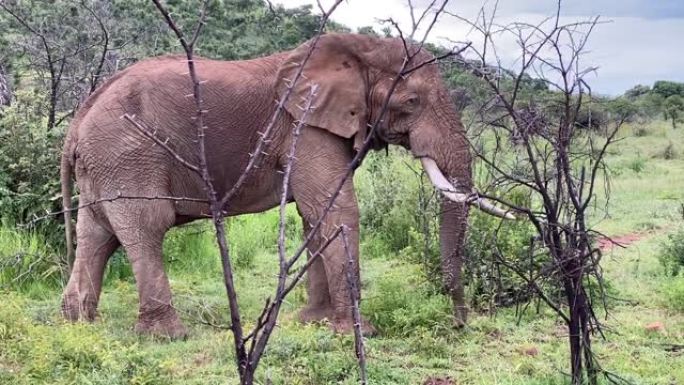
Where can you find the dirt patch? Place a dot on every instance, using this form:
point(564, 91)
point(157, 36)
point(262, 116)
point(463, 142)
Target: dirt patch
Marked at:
point(608, 243)
point(439, 381)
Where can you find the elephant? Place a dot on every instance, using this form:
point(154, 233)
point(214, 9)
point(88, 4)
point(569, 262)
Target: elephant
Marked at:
point(108, 157)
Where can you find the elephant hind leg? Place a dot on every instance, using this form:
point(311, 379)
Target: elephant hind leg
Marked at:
point(95, 245)
point(140, 227)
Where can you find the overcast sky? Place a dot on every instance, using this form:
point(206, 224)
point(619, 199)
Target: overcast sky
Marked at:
point(642, 40)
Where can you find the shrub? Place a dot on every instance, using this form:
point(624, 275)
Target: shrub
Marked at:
point(118, 267)
point(29, 155)
point(641, 131)
point(637, 164)
point(254, 233)
point(669, 152)
point(192, 248)
point(672, 253)
point(488, 242)
point(674, 293)
point(402, 308)
point(388, 194)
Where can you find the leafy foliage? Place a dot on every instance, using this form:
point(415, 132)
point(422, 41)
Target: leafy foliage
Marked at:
point(672, 253)
point(489, 244)
point(29, 178)
point(673, 106)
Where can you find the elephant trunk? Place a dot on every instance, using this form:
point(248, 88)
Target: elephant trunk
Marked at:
point(447, 163)
point(452, 232)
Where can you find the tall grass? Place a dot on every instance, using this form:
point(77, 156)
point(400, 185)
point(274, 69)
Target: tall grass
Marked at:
point(26, 257)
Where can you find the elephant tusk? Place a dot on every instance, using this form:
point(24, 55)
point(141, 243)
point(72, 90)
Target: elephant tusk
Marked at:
point(489, 208)
point(449, 191)
point(440, 181)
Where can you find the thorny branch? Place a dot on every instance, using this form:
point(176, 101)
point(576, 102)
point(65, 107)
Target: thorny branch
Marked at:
point(354, 293)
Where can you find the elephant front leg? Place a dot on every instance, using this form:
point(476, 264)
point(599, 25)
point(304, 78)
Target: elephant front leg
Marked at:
point(329, 294)
point(322, 161)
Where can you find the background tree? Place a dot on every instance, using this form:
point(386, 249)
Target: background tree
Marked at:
point(667, 88)
point(673, 107)
point(637, 91)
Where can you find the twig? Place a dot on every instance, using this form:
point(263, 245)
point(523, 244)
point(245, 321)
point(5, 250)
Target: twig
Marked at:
point(116, 197)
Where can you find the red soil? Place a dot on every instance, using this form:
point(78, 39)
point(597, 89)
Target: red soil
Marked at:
point(608, 243)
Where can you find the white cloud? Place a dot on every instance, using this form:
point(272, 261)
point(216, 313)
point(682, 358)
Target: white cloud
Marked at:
point(639, 46)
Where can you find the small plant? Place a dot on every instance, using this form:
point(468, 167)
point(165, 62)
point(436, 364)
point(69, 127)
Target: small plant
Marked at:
point(637, 164)
point(641, 131)
point(670, 152)
point(672, 253)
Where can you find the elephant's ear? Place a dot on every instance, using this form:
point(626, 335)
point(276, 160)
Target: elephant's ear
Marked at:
point(339, 105)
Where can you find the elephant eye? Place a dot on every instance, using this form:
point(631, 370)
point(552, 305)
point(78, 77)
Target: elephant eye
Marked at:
point(412, 101)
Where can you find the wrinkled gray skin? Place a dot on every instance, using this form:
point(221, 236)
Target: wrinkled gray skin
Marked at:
point(354, 72)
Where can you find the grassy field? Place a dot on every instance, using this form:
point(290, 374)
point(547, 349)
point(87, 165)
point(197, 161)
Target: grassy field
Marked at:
point(416, 340)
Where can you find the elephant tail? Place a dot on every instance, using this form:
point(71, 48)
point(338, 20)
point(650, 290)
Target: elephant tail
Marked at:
point(65, 179)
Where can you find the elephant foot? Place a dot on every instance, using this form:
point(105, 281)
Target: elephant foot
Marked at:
point(315, 314)
point(345, 325)
point(75, 309)
point(161, 322)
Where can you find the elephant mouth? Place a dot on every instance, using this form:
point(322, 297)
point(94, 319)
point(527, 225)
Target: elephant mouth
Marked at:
point(454, 194)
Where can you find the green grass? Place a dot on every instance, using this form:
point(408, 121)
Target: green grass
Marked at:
point(416, 339)
point(648, 199)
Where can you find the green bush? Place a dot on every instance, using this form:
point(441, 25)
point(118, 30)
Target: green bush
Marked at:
point(388, 190)
point(395, 212)
point(29, 176)
point(255, 233)
point(489, 282)
point(672, 253)
point(637, 164)
point(669, 152)
point(641, 131)
point(401, 308)
point(118, 268)
point(674, 293)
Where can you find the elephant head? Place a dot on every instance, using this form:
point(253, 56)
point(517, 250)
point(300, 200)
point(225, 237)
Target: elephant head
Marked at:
point(355, 74)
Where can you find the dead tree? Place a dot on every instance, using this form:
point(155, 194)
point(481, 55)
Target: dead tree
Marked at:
point(558, 166)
